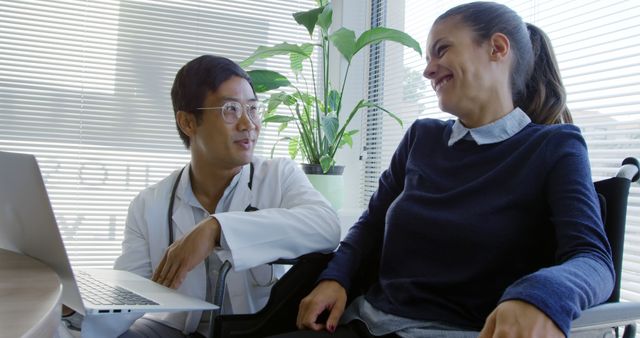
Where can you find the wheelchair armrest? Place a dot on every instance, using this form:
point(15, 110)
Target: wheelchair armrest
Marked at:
point(221, 286)
point(285, 261)
point(606, 316)
point(218, 294)
point(281, 309)
point(226, 267)
point(630, 169)
point(218, 297)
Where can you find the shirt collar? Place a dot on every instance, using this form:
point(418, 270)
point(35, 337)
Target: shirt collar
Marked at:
point(493, 132)
point(185, 192)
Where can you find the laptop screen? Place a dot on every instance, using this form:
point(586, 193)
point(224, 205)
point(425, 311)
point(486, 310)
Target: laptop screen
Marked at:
point(27, 222)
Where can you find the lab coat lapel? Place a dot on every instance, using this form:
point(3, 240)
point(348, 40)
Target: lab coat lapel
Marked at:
point(242, 196)
point(183, 219)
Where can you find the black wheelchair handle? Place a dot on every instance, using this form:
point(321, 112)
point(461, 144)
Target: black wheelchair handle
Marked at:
point(628, 162)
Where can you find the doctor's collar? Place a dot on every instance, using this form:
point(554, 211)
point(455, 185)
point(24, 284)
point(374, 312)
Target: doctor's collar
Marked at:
point(185, 190)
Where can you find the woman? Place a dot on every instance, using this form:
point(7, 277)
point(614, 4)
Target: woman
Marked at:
point(487, 223)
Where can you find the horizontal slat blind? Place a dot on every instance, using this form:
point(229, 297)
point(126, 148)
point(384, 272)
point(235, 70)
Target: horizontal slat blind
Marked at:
point(372, 120)
point(597, 45)
point(85, 86)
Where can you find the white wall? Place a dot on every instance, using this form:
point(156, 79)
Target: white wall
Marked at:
point(354, 15)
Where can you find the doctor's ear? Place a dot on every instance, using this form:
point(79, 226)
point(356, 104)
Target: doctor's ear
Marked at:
point(187, 122)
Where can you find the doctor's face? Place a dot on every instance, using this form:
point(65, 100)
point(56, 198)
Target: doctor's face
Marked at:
point(220, 140)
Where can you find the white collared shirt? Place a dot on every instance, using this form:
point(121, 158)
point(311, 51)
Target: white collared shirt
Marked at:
point(494, 132)
point(213, 262)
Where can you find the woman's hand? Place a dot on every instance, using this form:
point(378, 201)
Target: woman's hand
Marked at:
point(186, 253)
point(515, 318)
point(328, 295)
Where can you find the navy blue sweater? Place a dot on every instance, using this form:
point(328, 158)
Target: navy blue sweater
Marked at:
point(465, 227)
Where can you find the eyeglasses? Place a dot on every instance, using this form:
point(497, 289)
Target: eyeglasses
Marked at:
point(232, 111)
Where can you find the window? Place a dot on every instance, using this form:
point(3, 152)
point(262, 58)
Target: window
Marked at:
point(85, 86)
point(597, 48)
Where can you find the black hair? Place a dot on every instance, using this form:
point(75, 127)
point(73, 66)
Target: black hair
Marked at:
point(536, 85)
point(195, 80)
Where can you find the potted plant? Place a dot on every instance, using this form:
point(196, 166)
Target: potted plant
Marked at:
point(316, 109)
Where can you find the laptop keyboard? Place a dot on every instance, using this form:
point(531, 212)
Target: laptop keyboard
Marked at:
point(101, 293)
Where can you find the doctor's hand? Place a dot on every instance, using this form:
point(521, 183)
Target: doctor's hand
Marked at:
point(328, 295)
point(516, 318)
point(187, 252)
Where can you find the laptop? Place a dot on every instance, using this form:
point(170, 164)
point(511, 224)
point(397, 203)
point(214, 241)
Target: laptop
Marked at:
point(28, 226)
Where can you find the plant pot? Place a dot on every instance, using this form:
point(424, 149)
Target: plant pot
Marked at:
point(330, 185)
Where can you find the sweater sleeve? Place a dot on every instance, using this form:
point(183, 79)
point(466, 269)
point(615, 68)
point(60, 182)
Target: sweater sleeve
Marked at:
point(367, 233)
point(584, 275)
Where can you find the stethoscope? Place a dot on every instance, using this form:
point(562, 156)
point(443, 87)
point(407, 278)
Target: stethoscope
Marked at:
point(249, 208)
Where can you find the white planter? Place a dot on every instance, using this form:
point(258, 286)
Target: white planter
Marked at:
point(330, 185)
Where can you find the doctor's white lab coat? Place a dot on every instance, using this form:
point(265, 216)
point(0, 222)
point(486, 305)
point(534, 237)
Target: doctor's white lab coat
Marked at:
point(293, 219)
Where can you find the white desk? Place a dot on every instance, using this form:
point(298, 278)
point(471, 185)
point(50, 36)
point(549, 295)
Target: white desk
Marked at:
point(30, 295)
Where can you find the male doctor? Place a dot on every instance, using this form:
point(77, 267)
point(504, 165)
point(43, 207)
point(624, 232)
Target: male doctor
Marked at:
point(226, 204)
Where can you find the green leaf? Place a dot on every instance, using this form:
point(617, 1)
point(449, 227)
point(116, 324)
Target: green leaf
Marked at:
point(307, 48)
point(265, 80)
point(379, 34)
point(276, 144)
point(334, 98)
point(325, 18)
point(289, 100)
point(294, 145)
point(345, 41)
point(297, 59)
point(282, 127)
point(280, 49)
point(365, 103)
point(337, 142)
point(296, 63)
point(325, 145)
point(326, 163)
point(278, 119)
point(307, 120)
point(272, 103)
point(305, 98)
point(308, 18)
point(347, 138)
point(330, 126)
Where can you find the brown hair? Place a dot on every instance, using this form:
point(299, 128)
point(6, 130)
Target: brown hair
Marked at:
point(536, 85)
point(195, 79)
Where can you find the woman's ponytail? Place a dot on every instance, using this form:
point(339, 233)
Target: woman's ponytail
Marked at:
point(544, 99)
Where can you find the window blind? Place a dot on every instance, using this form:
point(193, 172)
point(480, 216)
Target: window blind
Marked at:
point(372, 120)
point(597, 44)
point(85, 87)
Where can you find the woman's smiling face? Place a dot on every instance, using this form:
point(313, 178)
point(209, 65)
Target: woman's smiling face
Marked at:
point(459, 68)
